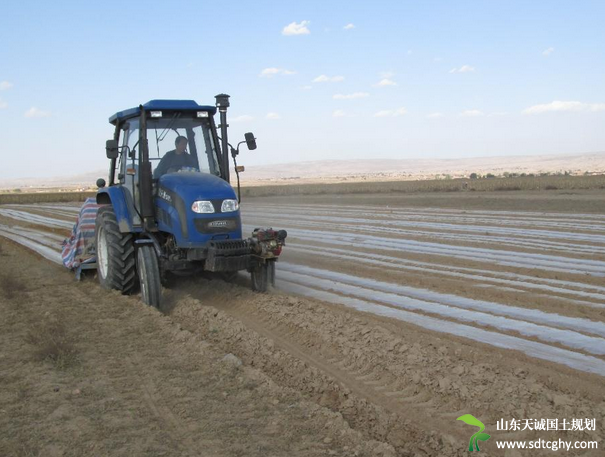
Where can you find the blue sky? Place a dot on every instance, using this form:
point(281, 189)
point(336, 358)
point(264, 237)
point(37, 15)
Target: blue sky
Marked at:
point(313, 80)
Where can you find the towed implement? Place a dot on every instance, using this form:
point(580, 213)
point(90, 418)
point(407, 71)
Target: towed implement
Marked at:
point(169, 207)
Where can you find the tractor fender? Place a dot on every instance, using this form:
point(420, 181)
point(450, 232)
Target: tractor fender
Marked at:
point(114, 195)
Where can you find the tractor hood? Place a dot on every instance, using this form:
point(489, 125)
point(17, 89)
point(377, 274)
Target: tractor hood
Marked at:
point(175, 195)
point(192, 186)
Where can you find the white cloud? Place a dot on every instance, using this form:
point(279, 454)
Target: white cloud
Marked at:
point(34, 112)
point(5, 85)
point(391, 112)
point(471, 113)
point(548, 52)
point(3, 104)
point(463, 69)
point(242, 118)
point(383, 113)
point(332, 79)
point(351, 96)
point(435, 115)
point(385, 82)
point(272, 71)
point(339, 113)
point(273, 116)
point(296, 29)
point(269, 72)
point(349, 26)
point(387, 74)
point(558, 105)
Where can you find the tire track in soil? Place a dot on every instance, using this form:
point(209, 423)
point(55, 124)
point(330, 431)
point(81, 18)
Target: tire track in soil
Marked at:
point(366, 382)
point(365, 398)
point(176, 429)
point(386, 402)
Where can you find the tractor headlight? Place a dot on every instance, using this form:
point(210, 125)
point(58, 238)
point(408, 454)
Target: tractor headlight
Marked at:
point(203, 207)
point(229, 206)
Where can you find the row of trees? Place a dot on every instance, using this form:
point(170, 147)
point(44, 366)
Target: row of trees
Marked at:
point(507, 174)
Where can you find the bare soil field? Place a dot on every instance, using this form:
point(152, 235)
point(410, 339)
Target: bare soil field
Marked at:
point(89, 372)
point(393, 316)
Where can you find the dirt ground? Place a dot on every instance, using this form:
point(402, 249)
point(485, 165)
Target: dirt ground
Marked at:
point(89, 372)
point(579, 201)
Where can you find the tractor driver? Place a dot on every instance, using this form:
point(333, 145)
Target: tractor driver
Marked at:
point(176, 159)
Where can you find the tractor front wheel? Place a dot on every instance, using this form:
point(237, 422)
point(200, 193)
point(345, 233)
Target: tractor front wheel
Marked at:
point(115, 253)
point(149, 276)
point(263, 276)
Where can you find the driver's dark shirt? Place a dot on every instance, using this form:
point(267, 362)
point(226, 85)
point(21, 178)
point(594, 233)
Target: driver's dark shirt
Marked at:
point(174, 162)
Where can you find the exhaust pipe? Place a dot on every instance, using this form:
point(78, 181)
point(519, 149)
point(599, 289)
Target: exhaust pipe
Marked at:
point(222, 103)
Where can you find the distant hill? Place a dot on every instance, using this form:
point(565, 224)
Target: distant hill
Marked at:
point(367, 169)
point(84, 180)
point(423, 168)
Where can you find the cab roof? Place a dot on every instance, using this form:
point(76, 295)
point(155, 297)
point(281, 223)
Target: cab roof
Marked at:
point(173, 105)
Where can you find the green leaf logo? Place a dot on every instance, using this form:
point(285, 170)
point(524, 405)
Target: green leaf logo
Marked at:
point(479, 436)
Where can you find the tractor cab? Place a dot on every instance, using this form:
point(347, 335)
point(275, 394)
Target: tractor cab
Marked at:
point(173, 146)
point(191, 139)
point(169, 204)
point(194, 127)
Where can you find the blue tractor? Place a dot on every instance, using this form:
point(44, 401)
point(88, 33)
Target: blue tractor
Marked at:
point(169, 207)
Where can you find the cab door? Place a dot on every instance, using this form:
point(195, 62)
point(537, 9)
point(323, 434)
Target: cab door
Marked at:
point(128, 168)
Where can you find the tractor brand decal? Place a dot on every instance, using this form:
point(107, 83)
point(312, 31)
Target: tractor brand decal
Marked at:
point(165, 195)
point(217, 224)
point(206, 226)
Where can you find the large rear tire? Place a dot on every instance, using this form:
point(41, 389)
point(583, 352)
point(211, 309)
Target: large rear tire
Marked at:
point(263, 276)
point(115, 253)
point(149, 276)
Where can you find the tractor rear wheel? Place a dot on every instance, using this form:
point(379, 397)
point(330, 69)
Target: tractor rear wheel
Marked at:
point(149, 276)
point(263, 276)
point(115, 253)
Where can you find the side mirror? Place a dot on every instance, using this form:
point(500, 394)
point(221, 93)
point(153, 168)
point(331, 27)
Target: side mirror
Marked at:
point(250, 141)
point(100, 183)
point(111, 149)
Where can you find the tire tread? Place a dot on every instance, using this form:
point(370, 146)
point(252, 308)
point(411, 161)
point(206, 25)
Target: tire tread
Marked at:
point(121, 268)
